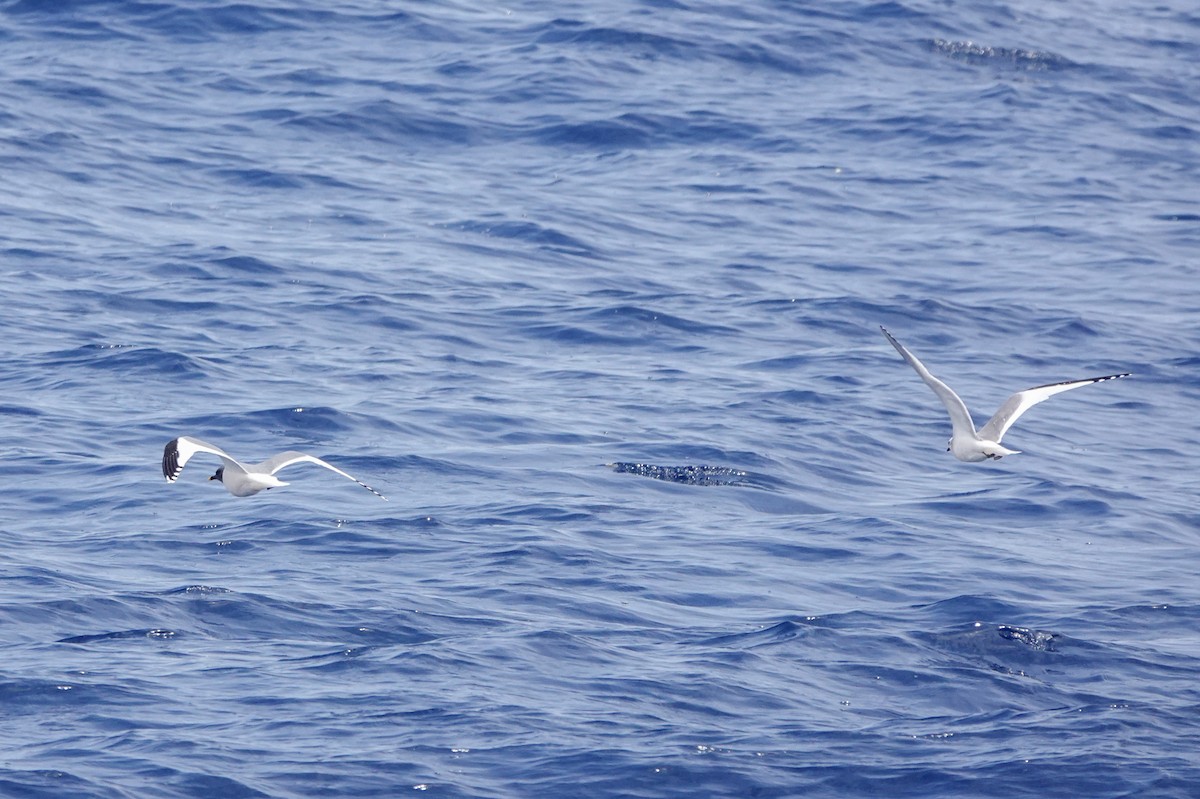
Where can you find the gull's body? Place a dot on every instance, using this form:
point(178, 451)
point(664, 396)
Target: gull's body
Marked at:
point(969, 444)
point(241, 480)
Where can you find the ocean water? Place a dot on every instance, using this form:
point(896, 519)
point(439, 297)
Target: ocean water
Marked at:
point(591, 291)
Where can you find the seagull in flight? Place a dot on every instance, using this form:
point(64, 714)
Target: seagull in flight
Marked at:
point(242, 480)
point(969, 444)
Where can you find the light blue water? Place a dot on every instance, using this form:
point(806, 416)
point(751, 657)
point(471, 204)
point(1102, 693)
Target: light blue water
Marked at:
point(471, 254)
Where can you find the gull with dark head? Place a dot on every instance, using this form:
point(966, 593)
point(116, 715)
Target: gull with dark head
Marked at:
point(969, 444)
point(241, 480)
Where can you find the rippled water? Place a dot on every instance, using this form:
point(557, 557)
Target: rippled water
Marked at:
point(592, 293)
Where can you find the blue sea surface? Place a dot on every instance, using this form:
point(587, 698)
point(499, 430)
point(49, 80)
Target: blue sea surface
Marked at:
point(592, 292)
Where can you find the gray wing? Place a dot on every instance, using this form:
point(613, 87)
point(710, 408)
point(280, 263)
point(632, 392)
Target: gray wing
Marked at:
point(960, 417)
point(284, 459)
point(1022, 401)
point(180, 450)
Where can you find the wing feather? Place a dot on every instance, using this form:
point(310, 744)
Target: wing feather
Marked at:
point(960, 417)
point(284, 459)
point(180, 450)
point(1022, 401)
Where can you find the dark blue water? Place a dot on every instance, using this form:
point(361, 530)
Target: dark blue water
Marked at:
point(473, 254)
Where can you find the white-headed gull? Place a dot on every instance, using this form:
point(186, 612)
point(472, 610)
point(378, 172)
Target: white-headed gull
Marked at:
point(242, 480)
point(969, 444)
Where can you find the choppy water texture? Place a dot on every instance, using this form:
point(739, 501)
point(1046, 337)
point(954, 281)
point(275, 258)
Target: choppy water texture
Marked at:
point(475, 255)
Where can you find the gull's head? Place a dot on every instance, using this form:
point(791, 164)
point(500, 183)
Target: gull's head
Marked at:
point(219, 476)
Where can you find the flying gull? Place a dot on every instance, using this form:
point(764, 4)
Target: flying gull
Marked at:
point(969, 444)
point(242, 480)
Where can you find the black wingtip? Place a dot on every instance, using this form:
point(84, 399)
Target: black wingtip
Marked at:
point(373, 491)
point(1111, 377)
point(1085, 380)
point(1108, 377)
point(170, 460)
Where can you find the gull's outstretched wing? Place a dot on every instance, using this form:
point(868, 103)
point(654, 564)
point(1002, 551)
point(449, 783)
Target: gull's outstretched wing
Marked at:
point(284, 459)
point(960, 417)
point(179, 451)
point(1022, 401)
